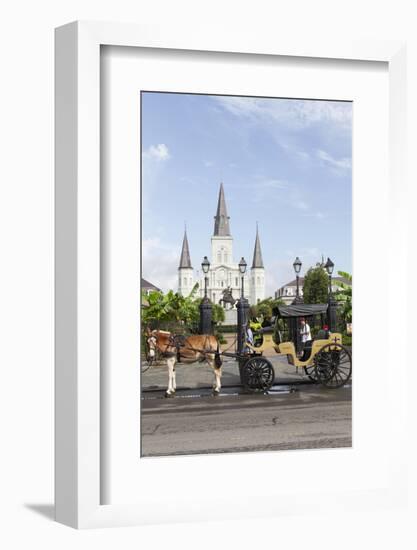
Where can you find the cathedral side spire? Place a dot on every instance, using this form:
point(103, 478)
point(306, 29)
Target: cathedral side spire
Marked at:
point(257, 252)
point(185, 260)
point(221, 219)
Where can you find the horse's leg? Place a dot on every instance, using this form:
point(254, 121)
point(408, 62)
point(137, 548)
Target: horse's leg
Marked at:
point(171, 375)
point(174, 377)
point(218, 378)
point(217, 374)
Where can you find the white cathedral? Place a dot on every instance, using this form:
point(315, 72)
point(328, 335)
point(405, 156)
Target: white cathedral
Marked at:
point(224, 271)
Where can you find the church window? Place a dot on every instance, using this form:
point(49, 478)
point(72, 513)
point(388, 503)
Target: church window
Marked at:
point(184, 281)
point(225, 257)
point(258, 280)
point(236, 281)
point(219, 257)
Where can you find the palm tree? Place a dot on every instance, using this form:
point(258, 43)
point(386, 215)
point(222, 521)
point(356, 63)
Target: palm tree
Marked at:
point(344, 296)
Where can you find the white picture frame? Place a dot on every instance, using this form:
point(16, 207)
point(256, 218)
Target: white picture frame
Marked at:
point(78, 404)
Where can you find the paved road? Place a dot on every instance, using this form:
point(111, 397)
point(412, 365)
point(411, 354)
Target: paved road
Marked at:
point(198, 375)
point(309, 417)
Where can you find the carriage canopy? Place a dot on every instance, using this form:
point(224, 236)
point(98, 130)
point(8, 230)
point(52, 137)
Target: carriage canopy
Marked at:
point(301, 310)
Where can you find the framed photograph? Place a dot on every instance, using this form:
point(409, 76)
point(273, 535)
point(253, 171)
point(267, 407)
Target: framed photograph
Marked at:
point(215, 200)
point(272, 329)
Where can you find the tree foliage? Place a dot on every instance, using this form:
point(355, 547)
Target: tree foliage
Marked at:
point(170, 307)
point(164, 310)
point(344, 296)
point(264, 307)
point(316, 285)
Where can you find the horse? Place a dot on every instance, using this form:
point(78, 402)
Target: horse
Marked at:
point(187, 349)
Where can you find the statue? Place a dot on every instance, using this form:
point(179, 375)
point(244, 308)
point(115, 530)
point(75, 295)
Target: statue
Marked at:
point(227, 297)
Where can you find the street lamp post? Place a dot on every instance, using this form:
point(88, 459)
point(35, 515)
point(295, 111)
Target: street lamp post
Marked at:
point(242, 271)
point(297, 268)
point(205, 266)
point(242, 307)
point(332, 314)
point(206, 310)
point(295, 325)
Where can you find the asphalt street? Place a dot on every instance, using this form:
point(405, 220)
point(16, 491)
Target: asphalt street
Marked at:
point(288, 417)
point(199, 375)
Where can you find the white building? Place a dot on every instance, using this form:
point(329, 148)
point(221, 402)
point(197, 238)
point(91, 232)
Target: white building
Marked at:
point(224, 271)
point(288, 292)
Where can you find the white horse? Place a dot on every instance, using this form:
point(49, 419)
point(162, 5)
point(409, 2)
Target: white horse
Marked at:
point(188, 350)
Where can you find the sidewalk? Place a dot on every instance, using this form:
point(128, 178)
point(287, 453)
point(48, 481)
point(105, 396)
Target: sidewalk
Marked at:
point(200, 375)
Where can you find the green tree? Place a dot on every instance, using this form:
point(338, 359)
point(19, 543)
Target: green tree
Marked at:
point(218, 313)
point(170, 307)
point(164, 310)
point(265, 307)
point(316, 285)
point(344, 296)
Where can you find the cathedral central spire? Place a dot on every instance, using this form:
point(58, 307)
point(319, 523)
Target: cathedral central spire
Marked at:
point(221, 219)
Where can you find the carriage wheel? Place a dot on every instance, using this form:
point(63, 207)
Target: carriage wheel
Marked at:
point(310, 372)
point(333, 365)
point(258, 374)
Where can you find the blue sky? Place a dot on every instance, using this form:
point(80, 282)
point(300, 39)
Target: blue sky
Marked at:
point(284, 163)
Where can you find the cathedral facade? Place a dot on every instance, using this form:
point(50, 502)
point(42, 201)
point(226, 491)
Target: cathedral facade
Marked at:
point(223, 276)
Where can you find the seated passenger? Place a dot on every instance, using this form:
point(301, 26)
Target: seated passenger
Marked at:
point(255, 327)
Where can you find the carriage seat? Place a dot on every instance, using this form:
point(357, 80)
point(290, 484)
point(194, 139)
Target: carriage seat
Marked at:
point(321, 335)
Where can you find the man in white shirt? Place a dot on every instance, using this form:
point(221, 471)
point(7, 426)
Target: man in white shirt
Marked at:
point(305, 334)
point(305, 331)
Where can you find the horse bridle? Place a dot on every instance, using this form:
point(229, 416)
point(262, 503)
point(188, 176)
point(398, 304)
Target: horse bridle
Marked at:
point(169, 344)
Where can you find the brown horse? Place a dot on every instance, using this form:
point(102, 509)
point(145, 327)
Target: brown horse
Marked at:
point(187, 349)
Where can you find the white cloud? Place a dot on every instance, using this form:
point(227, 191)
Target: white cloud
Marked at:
point(281, 272)
point(160, 263)
point(312, 254)
point(339, 164)
point(208, 163)
point(273, 184)
point(303, 155)
point(278, 273)
point(260, 182)
point(260, 187)
point(300, 204)
point(317, 215)
point(291, 112)
point(158, 152)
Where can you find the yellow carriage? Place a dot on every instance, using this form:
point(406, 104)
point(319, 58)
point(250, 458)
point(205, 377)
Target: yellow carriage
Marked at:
point(325, 359)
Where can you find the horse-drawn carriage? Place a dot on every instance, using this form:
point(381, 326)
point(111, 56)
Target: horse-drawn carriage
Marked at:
point(325, 359)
